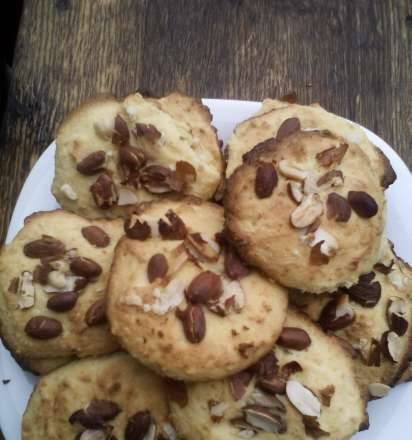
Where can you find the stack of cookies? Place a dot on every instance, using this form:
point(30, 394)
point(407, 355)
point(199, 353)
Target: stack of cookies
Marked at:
point(183, 293)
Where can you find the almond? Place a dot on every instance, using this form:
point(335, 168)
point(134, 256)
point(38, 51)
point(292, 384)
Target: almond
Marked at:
point(338, 208)
point(266, 180)
point(157, 267)
point(92, 164)
point(307, 212)
point(204, 288)
point(363, 204)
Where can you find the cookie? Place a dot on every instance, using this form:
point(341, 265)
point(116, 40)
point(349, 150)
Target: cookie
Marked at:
point(306, 209)
point(266, 123)
point(304, 388)
point(41, 367)
point(182, 302)
point(112, 155)
point(53, 277)
point(107, 398)
point(372, 320)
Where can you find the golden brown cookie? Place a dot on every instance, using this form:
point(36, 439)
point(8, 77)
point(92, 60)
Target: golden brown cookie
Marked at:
point(53, 279)
point(182, 303)
point(304, 388)
point(267, 121)
point(372, 321)
point(112, 155)
point(306, 209)
point(107, 398)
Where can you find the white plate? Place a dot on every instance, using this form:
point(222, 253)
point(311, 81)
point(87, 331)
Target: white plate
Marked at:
point(389, 418)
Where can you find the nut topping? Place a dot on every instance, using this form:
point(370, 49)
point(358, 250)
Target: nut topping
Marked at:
point(121, 133)
point(337, 207)
point(288, 127)
point(68, 191)
point(317, 257)
point(205, 287)
point(382, 268)
point(184, 175)
point(263, 419)
point(138, 425)
point(294, 338)
point(238, 384)
point(44, 247)
point(326, 394)
point(217, 410)
point(202, 247)
point(177, 392)
point(104, 128)
point(332, 178)
point(43, 327)
point(157, 267)
point(378, 390)
point(266, 367)
point(62, 302)
point(365, 293)
point(258, 397)
point(92, 164)
point(131, 159)
point(295, 191)
point(96, 314)
point(235, 268)
point(137, 230)
point(26, 291)
point(104, 192)
point(302, 399)
point(396, 313)
point(363, 204)
point(332, 155)
point(307, 212)
point(337, 314)
point(96, 413)
point(96, 236)
point(85, 267)
point(148, 131)
point(193, 321)
point(391, 346)
point(156, 179)
point(292, 171)
point(266, 180)
point(176, 230)
point(312, 427)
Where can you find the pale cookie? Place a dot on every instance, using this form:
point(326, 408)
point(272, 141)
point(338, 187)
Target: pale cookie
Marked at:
point(372, 320)
point(53, 278)
point(304, 388)
point(107, 398)
point(267, 121)
point(306, 209)
point(182, 302)
point(41, 367)
point(112, 155)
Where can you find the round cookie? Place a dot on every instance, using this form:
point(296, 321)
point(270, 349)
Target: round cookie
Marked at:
point(305, 388)
point(267, 121)
point(184, 305)
point(306, 209)
point(112, 155)
point(106, 398)
point(41, 367)
point(53, 277)
point(372, 319)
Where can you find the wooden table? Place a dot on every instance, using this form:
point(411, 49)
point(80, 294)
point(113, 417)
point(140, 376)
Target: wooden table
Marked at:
point(354, 57)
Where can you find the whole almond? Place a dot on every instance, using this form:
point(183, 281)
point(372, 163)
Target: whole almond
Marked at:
point(137, 230)
point(194, 323)
point(176, 230)
point(85, 267)
point(266, 180)
point(104, 192)
point(105, 409)
point(338, 208)
point(235, 268)
point(294, 338)
point(92, 164)
point(288, 127)
point(96, 314)
point(138, 425)
point(44, 247)
point(86, 420)
point(205, 287)
point(62, 302)
point(96, 236)
point(148, 131)
point(363, 204)
point(121, 133)
point(43, 327)
point(157, 267)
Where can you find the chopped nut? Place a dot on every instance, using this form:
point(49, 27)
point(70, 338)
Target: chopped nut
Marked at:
point(309, 185)
point(175, 230)
point(312, 427)
point(263, 419)
point(338, 208)
point(68, 191)
point(126, 197)
point(337, 314)
point(176, 392)
point(288, 127)
point(148, 131)
point(326, 394)
point(156, 179)
point(121, 133)
point(232, 299)
point(295, 191)
point(332, 155)
point(378, 390)
point(137, 230)
point(391, 346)
point(365, 293)
point(258, 397)
point(328, 244)
point(292, 171)
point(396, 313)
point(307, 212)
point(104, 128)
point(104, 192)
point(217, 410)
point(26, 291)
point(333, 178)
point(202, 247)
point(302, 399)
point(238, 384)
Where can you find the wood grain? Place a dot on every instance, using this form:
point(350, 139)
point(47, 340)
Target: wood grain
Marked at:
point(354, 57)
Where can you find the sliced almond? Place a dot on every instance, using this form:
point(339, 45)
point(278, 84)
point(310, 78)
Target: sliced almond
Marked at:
point(26, 291)
point(396, 315)
point(302, 399)
point(292, 171)
point(307, 212)
point(392, 346)
point(264, 420)
point(258, 397)
point(378, 390)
